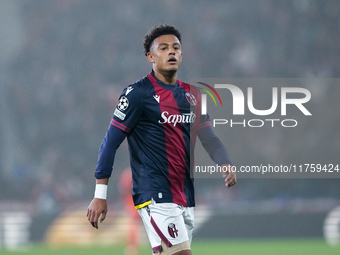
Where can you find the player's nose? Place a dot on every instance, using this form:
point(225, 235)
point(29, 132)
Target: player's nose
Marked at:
point(172, 51)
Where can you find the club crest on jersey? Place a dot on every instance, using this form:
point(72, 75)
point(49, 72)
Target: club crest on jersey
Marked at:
point(123, 103)
point(173, 231)
point(191, 99)
point(119, 114)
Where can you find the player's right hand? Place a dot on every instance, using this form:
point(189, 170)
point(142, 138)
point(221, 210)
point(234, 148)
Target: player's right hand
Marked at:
point(96, 209)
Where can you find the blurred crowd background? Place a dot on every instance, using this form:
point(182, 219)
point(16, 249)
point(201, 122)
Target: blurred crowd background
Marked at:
point(64, 64)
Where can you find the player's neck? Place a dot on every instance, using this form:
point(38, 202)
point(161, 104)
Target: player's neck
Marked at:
point(169, 78)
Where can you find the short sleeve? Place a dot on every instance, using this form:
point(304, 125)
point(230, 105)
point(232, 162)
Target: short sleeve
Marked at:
point(129, 109)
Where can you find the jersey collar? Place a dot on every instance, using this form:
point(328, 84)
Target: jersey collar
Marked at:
point(162, 84)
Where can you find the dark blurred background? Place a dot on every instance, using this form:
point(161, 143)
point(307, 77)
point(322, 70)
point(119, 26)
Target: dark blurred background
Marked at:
point(64, 63)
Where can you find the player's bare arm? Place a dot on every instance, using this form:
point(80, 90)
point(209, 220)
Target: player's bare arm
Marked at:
point(98, 207)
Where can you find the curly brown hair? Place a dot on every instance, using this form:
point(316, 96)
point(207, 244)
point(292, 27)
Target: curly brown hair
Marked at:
point(157, 31)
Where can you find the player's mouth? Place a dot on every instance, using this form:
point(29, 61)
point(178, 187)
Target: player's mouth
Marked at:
point(172, 60)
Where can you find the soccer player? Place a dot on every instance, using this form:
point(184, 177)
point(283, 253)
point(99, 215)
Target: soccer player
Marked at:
point(161, 118)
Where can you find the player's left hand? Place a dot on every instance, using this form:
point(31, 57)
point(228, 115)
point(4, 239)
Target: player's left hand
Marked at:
point(229, 175)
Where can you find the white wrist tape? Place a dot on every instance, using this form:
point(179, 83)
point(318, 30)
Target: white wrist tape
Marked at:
point(100, 191)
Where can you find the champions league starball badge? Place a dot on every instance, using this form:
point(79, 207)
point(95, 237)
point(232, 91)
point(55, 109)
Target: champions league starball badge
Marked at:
point(123, 103)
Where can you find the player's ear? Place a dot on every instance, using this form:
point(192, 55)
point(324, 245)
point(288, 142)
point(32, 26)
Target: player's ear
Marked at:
point(150, 57)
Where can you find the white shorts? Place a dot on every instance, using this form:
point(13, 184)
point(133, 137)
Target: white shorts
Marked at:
point(168, 222)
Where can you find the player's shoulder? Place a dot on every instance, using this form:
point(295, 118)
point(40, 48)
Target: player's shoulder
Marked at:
point(140, 86)
point(136, 87)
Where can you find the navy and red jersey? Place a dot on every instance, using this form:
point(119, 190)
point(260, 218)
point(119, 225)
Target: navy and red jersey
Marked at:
point(161, 123)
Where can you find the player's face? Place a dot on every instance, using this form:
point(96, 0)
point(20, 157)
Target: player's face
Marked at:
point(165, 53)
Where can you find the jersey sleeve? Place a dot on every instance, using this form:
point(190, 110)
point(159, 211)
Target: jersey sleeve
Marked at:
point(125, 117)
point(213, 145)
point(204, 121)
point(128, 110)
point(107, 151)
